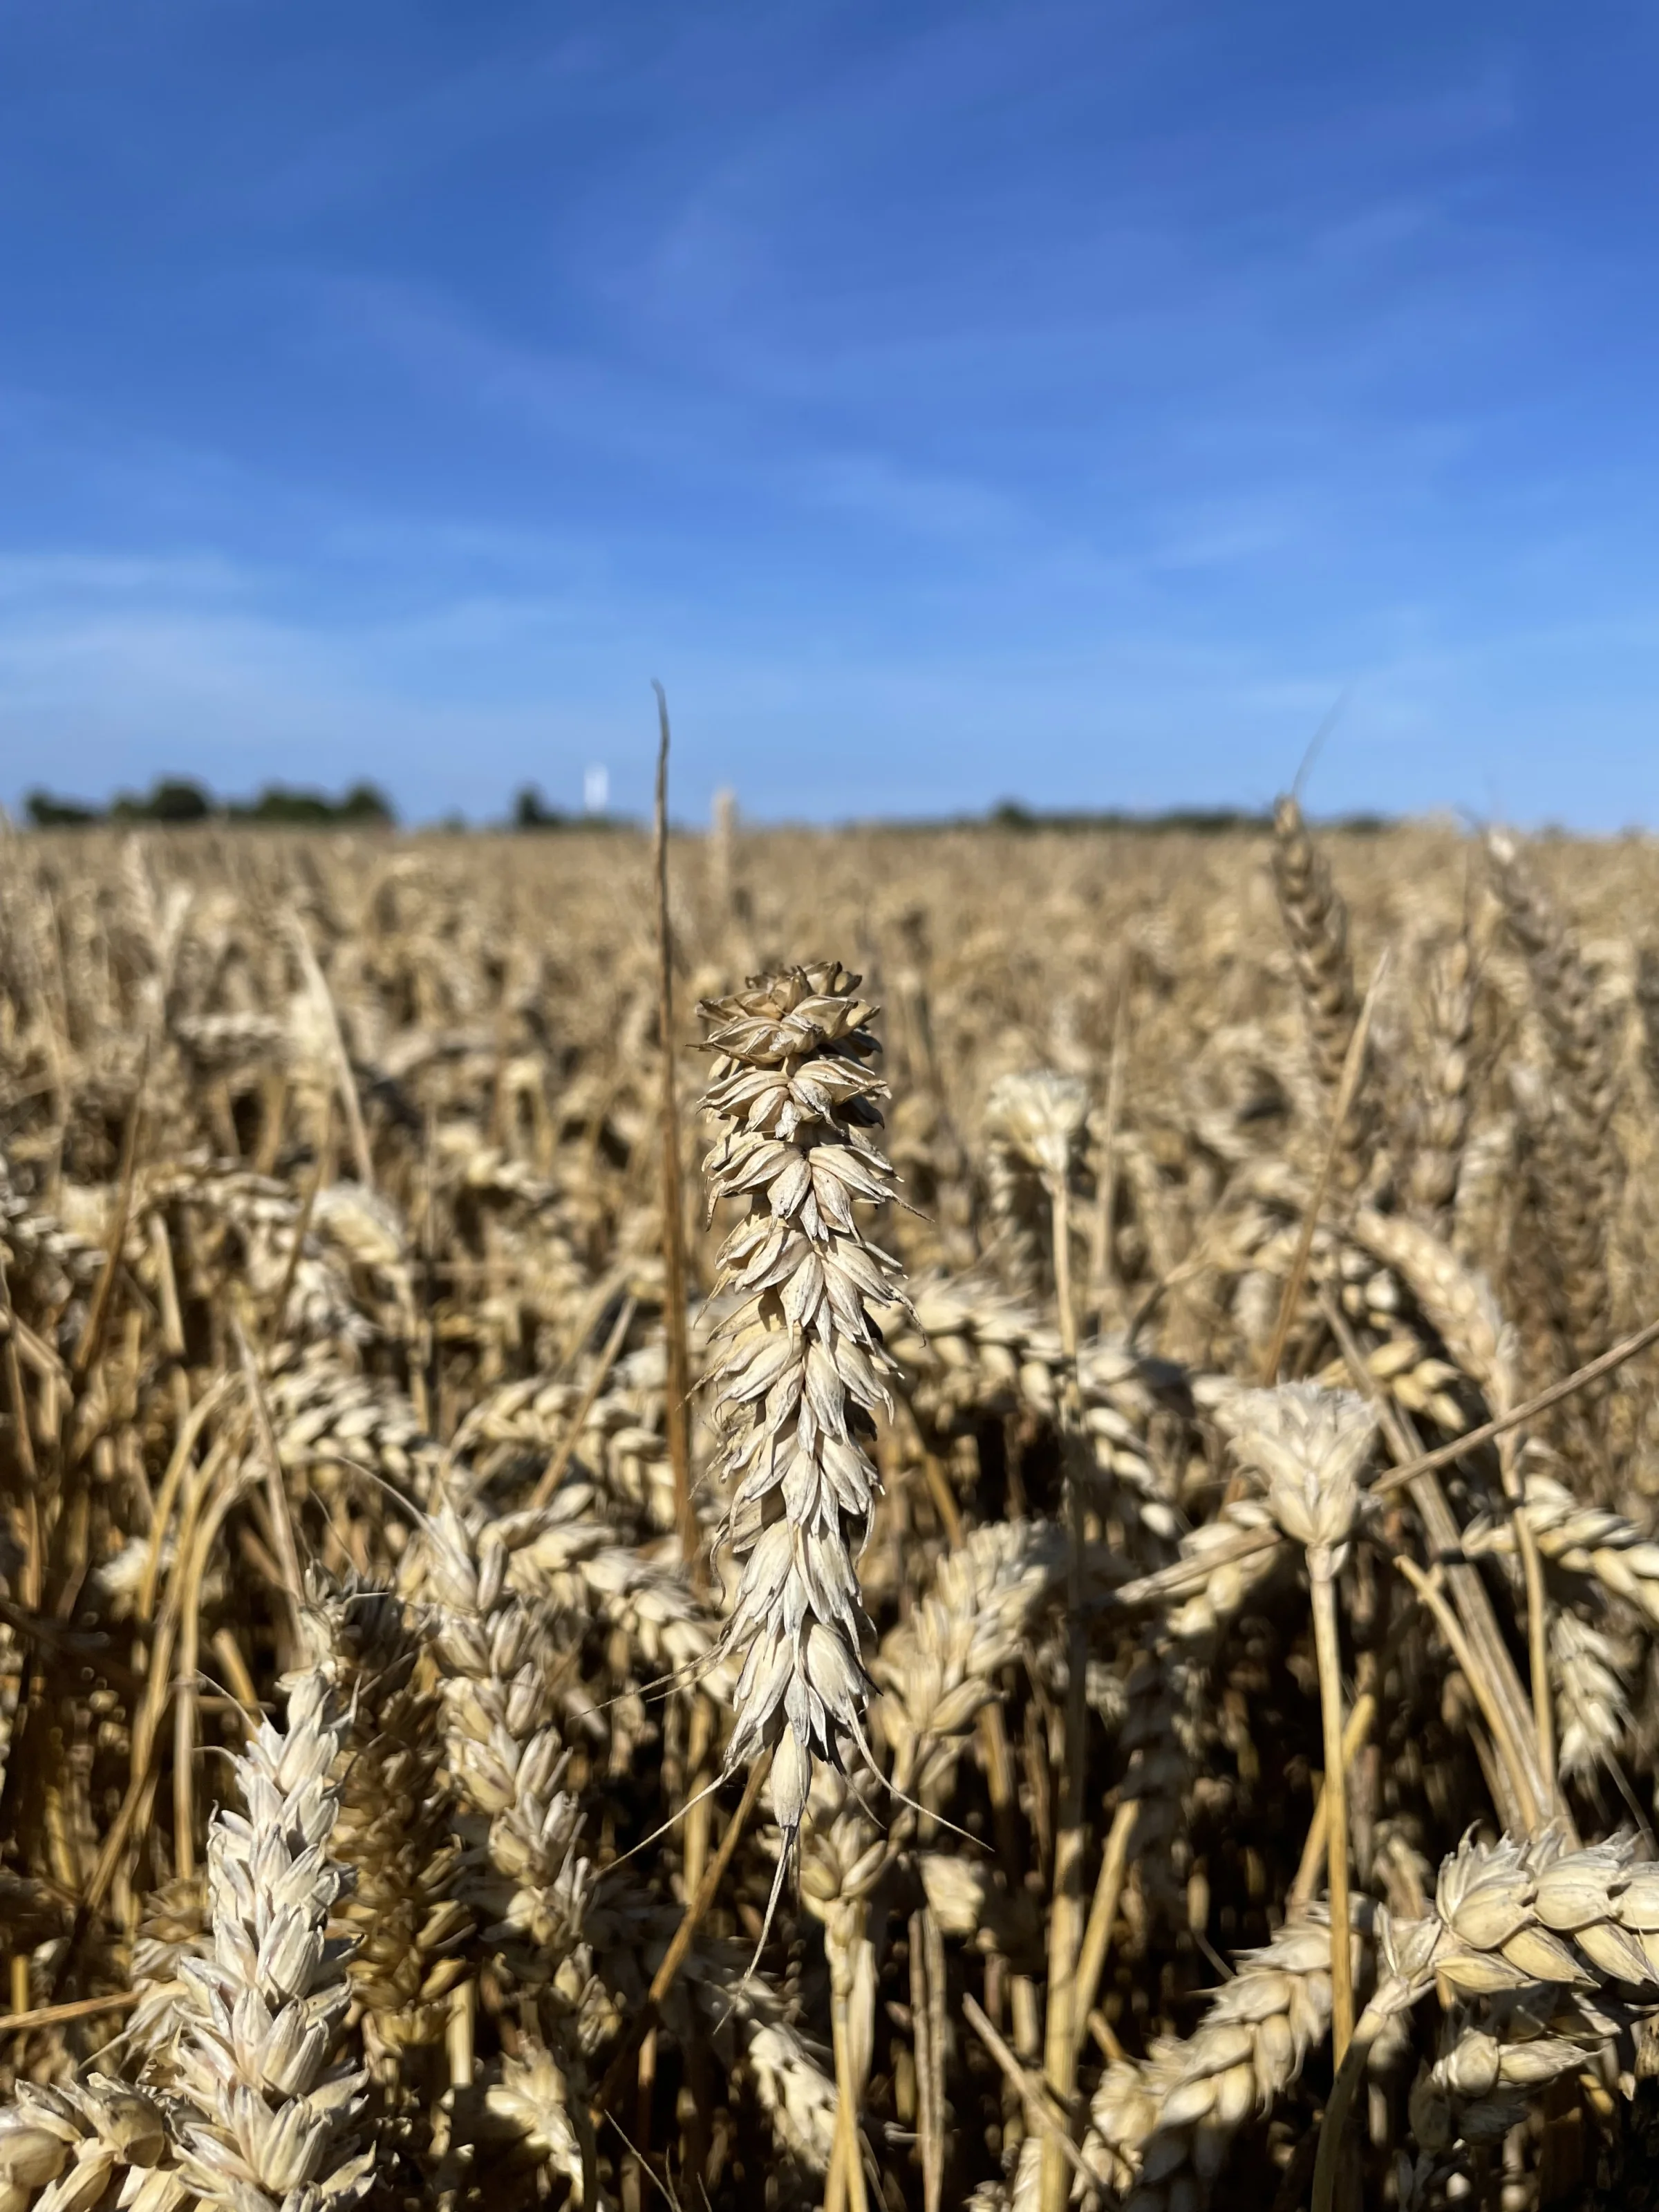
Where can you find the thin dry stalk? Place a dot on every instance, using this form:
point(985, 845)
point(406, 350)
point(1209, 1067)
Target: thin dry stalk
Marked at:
point(928, 2023)
point(1312, 1868)
point(1063, 2026)
point(677, 1412)
point(1103, 1912)
point(1509, 1749)
point(328, 1018)
point(559, 1465)
point(1308, 1446)
point(1532, 1787)
point(1039, 1119)
point(845, 2177)
point(1328, 1644)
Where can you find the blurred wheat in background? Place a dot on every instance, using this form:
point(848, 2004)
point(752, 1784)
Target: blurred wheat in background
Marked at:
point(1134, 1702)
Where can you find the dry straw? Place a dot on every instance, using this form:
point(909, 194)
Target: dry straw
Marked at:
point(333, 1271)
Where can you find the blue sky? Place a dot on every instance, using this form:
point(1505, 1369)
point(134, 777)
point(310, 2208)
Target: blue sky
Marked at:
point(947, 403)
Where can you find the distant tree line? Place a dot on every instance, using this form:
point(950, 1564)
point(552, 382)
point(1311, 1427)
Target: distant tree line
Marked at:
point(174, 799)
point(1012, 814)
point(532, 811)
point(1195, 821)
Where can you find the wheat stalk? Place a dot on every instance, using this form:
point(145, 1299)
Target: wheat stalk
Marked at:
point(1308, 1446)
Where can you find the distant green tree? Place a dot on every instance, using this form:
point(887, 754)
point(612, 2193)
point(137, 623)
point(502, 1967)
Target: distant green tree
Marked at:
point(172, 799)
point(279, 804)
point(178, 799)
point(46, 812)
point(532, 811)
point(365, 802)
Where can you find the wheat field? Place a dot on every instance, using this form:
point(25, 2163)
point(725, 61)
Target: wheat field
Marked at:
point(1080, 1634)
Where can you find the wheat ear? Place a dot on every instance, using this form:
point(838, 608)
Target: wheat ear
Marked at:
point(273, 2118)
point(1160, 2127)
point(1584, 1171)
point(506, 1760)
point(1581, 1540)
point(394, 1826)
point(86, 2143)
point(1505, 1917)
point(797, 1366)
point(1316, 924)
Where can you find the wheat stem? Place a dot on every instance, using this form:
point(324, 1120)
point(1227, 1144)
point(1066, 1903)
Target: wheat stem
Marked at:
point(1108, 1889)
point(1516, 1765)
point(1066, 1922)
point(677, 1412)
point(1358, 1726)
point(1328, 1644)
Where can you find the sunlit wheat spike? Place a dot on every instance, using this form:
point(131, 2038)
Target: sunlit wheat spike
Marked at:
point(393, 1829)
point(506, 1755)
point(940, 1667)
point(1443, 1108)
point(1308, 1445)
point(1591, 1704)
point(798, 1364)
point(1316, 923)
point(87, 2143)
point(1508, 1914)
point(1581, 1540)
point(1584, 1172)
point(1160, 2128)
point(1034, 1125)
point(1040, 1116)
point(272, 2116)
point(1482, 2084)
